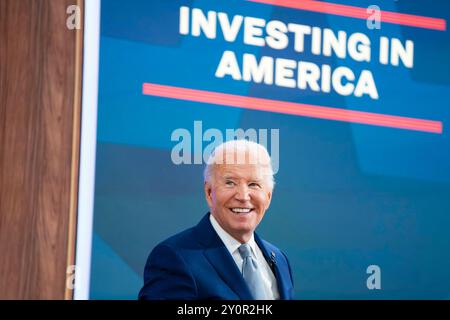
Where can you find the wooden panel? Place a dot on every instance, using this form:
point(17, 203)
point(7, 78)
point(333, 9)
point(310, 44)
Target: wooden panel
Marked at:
point(39, 128)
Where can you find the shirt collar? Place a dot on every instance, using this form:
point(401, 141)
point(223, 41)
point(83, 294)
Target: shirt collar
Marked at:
point(230, 243)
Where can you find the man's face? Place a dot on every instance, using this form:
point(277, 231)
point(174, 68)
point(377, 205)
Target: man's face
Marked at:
point(238, 197)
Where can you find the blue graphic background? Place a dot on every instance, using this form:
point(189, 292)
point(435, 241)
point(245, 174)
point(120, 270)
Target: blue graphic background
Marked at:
point(347, 195)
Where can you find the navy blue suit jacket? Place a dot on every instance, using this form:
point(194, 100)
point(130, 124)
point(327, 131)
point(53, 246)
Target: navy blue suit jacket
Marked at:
point(195, 264)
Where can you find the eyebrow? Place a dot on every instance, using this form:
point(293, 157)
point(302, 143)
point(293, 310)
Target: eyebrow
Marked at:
point(231, 177)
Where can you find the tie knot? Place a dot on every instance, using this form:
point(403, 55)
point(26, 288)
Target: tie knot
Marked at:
point(244, 250)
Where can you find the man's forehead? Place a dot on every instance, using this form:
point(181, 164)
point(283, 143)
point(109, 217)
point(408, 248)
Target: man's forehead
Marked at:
point(231, 156)
point(234, 170)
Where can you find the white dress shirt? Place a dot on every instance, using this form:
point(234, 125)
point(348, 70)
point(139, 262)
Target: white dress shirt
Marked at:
point(232, 245)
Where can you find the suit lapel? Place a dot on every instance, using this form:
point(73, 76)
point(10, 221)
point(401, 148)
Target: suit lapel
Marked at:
point(225, 266)
point(219, 257)
point(278, 267)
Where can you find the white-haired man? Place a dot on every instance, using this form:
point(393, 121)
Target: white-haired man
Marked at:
point(222, 257)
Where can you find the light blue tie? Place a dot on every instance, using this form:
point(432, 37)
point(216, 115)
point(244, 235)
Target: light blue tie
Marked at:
point(251, 273)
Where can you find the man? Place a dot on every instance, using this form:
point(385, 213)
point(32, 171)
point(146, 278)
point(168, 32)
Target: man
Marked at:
point(222, 257)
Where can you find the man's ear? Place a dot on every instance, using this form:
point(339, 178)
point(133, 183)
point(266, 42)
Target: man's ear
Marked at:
point(208, 190)
point(269, 197)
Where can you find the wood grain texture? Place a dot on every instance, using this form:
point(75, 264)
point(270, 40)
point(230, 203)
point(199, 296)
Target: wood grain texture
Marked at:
point(37, 128)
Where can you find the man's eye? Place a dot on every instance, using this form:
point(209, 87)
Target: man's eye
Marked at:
point(229, 183)
point(254, 185)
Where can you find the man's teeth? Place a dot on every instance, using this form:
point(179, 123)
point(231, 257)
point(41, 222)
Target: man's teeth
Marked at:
point(241, 210)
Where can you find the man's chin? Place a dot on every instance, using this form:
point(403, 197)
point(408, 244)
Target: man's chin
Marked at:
point(243, 228)
point(245, 221)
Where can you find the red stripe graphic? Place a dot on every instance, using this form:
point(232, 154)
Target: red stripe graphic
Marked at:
point(360, 13)
point(298, 109)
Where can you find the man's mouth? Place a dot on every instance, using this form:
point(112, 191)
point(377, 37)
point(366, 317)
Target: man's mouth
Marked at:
point(239, 210)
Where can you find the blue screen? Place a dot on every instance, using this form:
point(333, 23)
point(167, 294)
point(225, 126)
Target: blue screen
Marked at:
point(362, 147)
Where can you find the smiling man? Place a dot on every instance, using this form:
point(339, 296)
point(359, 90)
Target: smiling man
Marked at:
point(222, 257)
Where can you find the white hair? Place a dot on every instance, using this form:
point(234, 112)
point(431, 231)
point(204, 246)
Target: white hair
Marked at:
point(250, 153)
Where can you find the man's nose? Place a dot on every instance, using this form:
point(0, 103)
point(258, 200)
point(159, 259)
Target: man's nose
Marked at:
point(242, 193)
